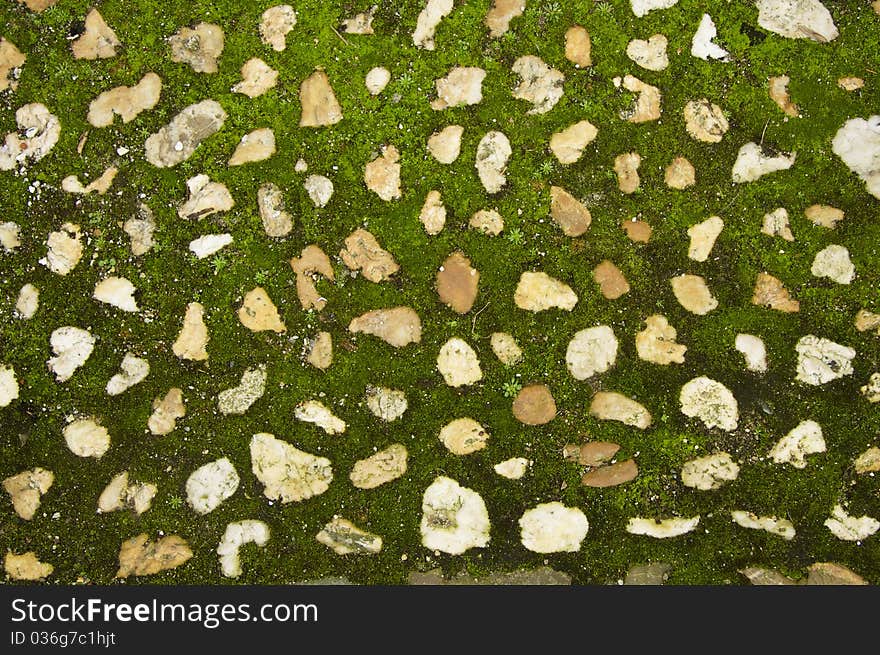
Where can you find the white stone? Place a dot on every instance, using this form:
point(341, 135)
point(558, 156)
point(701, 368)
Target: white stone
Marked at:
point(751, 163)
point(709, 472)
point(116, 291)
point(662, 529)
point(781, 527)
point(377, 79)
point(288, 473)
point(754, 352)
point(64, 249)
point(857, 143)
point(211, 484)
point(820, 360)
point(386, 404)
point(711, 402)
point(650, 54)
point(119, 494)
point(591, 351)
point(133, 371)
point(207, 245)
point(237, 534)
point(703, 237)
point(702, 45)
point(311, 411)
point(505, 348)
point(427, 22)
point(805, 439)
point(8, 385)
point(513, 468)
point(849, 528)
point(319, 188)
point(540, 84)
point(553, 528)
point(834, 263)
point(86, 438)
point(797, 19)
point(72, 347)
point(10, 236)
point(41, 129)
point(537, 291)
point(493, 153)
point(454, 518)
point(642, 7)
point(458, 363)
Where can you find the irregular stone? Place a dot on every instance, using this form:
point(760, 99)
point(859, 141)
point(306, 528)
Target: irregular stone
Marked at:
point(493, 153)
point(458, 363)
point(704, 121)
point(779, 94)
point(592, 453)
point(542, 575)
point(10, 236)
point(119, 495)
point(805, 439)
point(534, 405)
point(857, 143)
point(193, 336)
point(797, 19)
point(209, 244)
point(513, 468)
point(656, 343)
point(116, 291)
point(537, 291)
point(541, 85)
point(258, 313)
point(211, 484)
point(72, 347)
point(178, 140)
point(427, 22)
point(849, 528)
point(321, 351)
point(568, 145)
point(382, 174)
point(250, 389)
point(166, 411)
point(275, 23)
point(38, 6)
point(361, 23)
point(751, 163)
point(277, 222)
point(396, 326)
point(377, 79)
point(703, 237)
point(433, 213)
point(578, 46)
point(693, 294)
point(821, 360)
point(287, 473)
point(505, 348)
point(463, 85)
point(591, 351)
point(127, 102)
point(711, 402)
point(703, 46)
point(257, 145)
point(26, 490)
point(311, 261)
point(133, 371)
point(834, 263)
point(568, 212)
point(238, 534)
point(454, 518)
point(824, 215)
point(457, 283)
point(140, 229)
point(501, 13)
point(345, 538)
point(41, 130)
point(311, 411)
point(781, 527)
point(709, 472)
point(11, 61)
point(770, 292)
point(99, 185)
point(140, 556)
point(487, 221)
point(655, 573)
point(776, 224)
point(611, 281)
point(868, 461)
point(553, 528)
point(637, 231)
point(829, 573)
point(648, 98)
point(257, 77)
point(8, 385)
point(97, 41)
point(464, 436)
point(753, 350)
point(662, 529)
point(850, 83)
point(871, 391)
point(445, 145)
point(200, 47)
point(866, 320)
point(611, 475)
point(363, 253)
point(642, 7)
point(28, 302)
point(26, 567)
point(680, 174)
point(651, 54)
point(613, 406)
point(626, 166)
point(319, 104)
point(386, 404)
point(86, 438)
point(386, 465)
point(319, 188)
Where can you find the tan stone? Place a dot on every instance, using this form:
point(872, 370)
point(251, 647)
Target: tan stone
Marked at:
point(287, 473)
point(166, 411)
point(540, 84)
point(193, 337)
point(257, 77)
point(386, 465)
point(759, 576)
point(753, 162)
point(693, 294)
point(11, 59)
point(568, 212)
point(275, 23)
point(140, 556)
point(258, 313)
point(829, 573)
point(362, 252)
point(26, 490)
point(568, 145)
point(866, 320)
point(770, 292)
point(205, 198)
point(321, 351)
point(612, 283)
point(26, 567)
point(276, 221)
point(464, 436)
point(98, 41)
point(648, 99)
point(445, 145)
point(457, 362)
point(537, 291)
point(178, 140)
point(361, 23)
point(427, 22)
point(778, 88)
point(650, 54)
point(637, 231)
point(254, 146)
point(125, 101)
point(382, 174)
point(592, 453)
point(534, 405)
point(705, 121)
point(505, 348)
point(457, 283)
point(344, 538)
point(396, 326)
point(463, 85)
point(611, 475)
point(824, 215)
point(680, 174)
point(198, 46)
point(312, 260)
point(868, 461)
point(433, 213)
point(613, 406)
point(851, 83)
point(703, 237)
point(487, 221)
point(319, 104)
point(41, 130)
point(501, 13)
point(656, 343)
point(119, 494)
point(776, 224)
point(493, 153)
point(626, 166)
point(99, 185)
point(578, 46)
point(38, 5)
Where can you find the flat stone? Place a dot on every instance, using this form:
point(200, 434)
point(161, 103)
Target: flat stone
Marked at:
point(797, 19)
point(133, 370)
point(363, 253)
point(462, 86)
point(311, 261)
point(321, 351)
point(178, 140)
point(751, 163)
point(127, 102)
point(857, 143)
point(642, 7)
point(211, 484)
point(458, 363)
point(386, 465)
point(534, 405)
point(386, 404)
point(821, 360)
point(501, 13)
point(493, 153)
point(829, 573)
point(626, 166)
point(457, 283)
point(753, 350)
point(540, 84)
point(850, 83)
point(8, 385)
point(26, 490)
point(776, 224)
point(487, 221)
point(275, 23)
point(361, 23)
point(850, 528)
point(258, 145)
point(71, 346)
point(10, 236)
point(140, 556)
point(611, 280)
point(166, 411)
point(198, 46)
point(505, 348)
point(662, 529)
point(193, 336)
point(613, 406)
point(866, 320)
point(834, 263)
point(711, 402)
point(709, 472)
point(65, 249)
point(568, 212)
point(592, 453)
point(656, 343)
point(287, 473)
point(703, 44)
point(759, 576)
point(396, 326)
point(553, 528)
point(209, 244)
point(591, 351)
point(86, 438)
point(578, 46)
point(26, 566)
point(116, 291)
point(312, 411)
point(871, 391)
point(97, 40)
point(44, 128)
point(537, 292)
point(693, 294)
point(319, 104)
point(513, 468)
point(868, 461)
point(704, 121)
point(445, 145)
point(780, 527)
point(377, 79)
point(637, 231)
point(464, 436)
point(454, 518)
point(611, 475)
point(257, 77)
point(140, 229)
point(680, 174)
point(650, 54)
point(344, 538)
point(250, 389)
point(433, 213)
point(119, 494)
point(655, 573)
point(277, 222)
point(382, 174)
point(703, 237)
point(805, 439)
point(824, 215)
point(235, 536)
point(568, 145)
point(770, 292)
point(319, 188)
point(11, 61)
point(99, 185)
point(778, 90)
point(648, 101)
point(258, 313)
point(542, 575)
point(27, 302)
point(427, 22)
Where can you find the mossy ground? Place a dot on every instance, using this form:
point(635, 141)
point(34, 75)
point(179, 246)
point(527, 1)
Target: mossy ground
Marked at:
point(83, 544)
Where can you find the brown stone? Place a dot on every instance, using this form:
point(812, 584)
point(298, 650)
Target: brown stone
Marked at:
point(592, 453)
point(637, 231)
point(568, 213)
point(321, 351)
point(627, 168)
point(362, 252)
point(612, 283)
point(311, 260)
point(680, 174)
point(534, 405)
point(779, 94)
point(611, 475)
point(457, 283)
point(770, 292)
point(319, 104)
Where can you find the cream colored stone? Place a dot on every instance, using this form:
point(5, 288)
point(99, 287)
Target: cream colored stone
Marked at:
point(312, 261)
point(427, 22)
point(834, 263)
point(568, 145)
point(97, 41)
point(821, 360)
point(626, 166)
point(703, 237)
point(64, 249)
point(386, 404)
point(711, 402)
point(751, 163)
point(505, 348)
point(237, 534)
point(648, 100)
point(850, 83)
point(642, 7)
point(704, 121)
point(770, 292)
point(857, 143)
point(868, 461)
point(11, 61)
point(26, 567)
point(257, 77)
point(780, 527)
point(211, 484)
point(127, 102)
point(866, 320)
point(591, 351)
point(8, 385)
point(178, 140)
point(458, 363)
point(257, 145)
point(321, 351)
point(464, 436)
point(513, 468)
point(487, 221)
point(776, 224)
point(709, 472)
point(363, 253)
point(454, 518)
point(753, 350)
point(613, 406)
point(501, 13)
point(463, 85)
point(344, 538)
point(71, 346)
point(850, 528)
point(166, 411)
point(42, 130)
point(361, 23)
point(319, 188)
point(28, 302)
point(134, 370)
point(662, 529)
point(553, 528)
point(493, 153)
point(99, 185)
point(537, 291)
point(87, 438)
point(312, 411)
point(433, 213)
point(275, 23)
point(377, 79)
point(319, 104)
point(386, 465)
point(10, 236)
point(650, 54)
point(779, 94)
point(578, 46)
point(276, 221)
point(693, 294)
point(382, 174)
point(198, 46)
point(118, 292)
point(140, 229)
point(797, 19)
point(193, 336)
point(656, 343)
point(445, 145)
point(287, 473)
point(804, 439)
point(396, 326)
point(119, 494)
point(703, 45)
point(824, 215)
point(258, 313)
point(540, 84)
point(26, 490)
point(140, 556)
point(250, 389)
point(871, 391)
point(209, 244)
point(680, 174)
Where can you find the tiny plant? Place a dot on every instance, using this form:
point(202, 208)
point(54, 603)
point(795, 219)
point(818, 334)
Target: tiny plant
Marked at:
point(511, 388)
point(515, 236)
